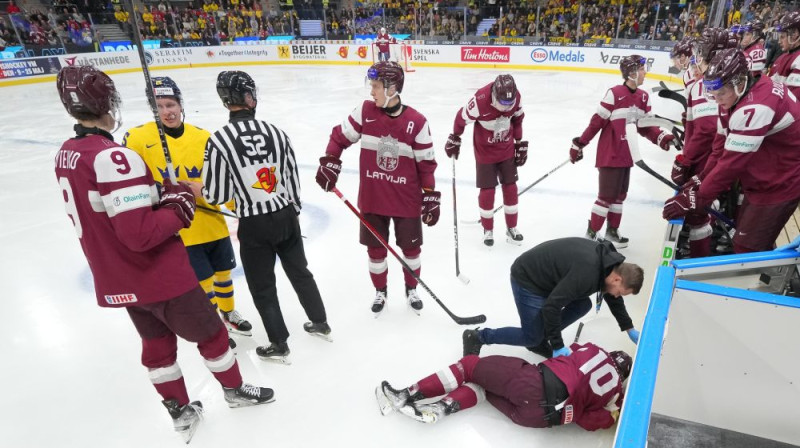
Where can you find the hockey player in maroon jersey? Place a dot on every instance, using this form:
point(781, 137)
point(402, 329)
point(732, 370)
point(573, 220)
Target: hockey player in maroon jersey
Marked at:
point(622, 104)
point(496, 108)
point(681, 55)
point(138, 262)
point(759, 118)
point(752, 45)
point(383, 41)
point(583, 388)
point(786, 68)
point(700, 134)
point(396, 171)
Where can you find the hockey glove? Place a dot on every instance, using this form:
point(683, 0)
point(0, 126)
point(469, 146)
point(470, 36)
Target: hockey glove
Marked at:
point(520, 153)
point(634, 335)
point(563, 351)
point(576, 150)
point(679, 170)
point(693, 183)
point(430, 207)
point(453, 146)
point(180, 199)
point(679, 205)
point(328, 172)
point(665, 140)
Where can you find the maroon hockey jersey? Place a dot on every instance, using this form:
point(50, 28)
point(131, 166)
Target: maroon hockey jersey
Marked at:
point(594, 386)
point(701, 127)
point(495, 131)
point(619, 107)
point(786, 69)
point(134, 252)
point(756, 58)
point(762, 146)
point(397, 159)
point(383, 40)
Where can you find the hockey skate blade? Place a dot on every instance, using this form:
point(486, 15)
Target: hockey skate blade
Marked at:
point(249, 403)
point(409, 411)
point(232, 330)
point(324, 337)
point(277, 360)
point(513, 242)
point(384, 405)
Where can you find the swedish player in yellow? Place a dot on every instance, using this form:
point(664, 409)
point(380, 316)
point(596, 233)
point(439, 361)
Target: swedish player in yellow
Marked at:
point(207, 240)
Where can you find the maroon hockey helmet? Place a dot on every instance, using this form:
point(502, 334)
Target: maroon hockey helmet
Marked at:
point(623, 362)
point(390, 73)
point(729, 65)
point(682, 48)
point(789, 21)
point(756, 27)
point(504, 90)
point(87, 92)
point(629, 65)
point(711, 41)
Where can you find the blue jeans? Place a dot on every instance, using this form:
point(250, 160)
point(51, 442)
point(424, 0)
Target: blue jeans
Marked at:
point(529, 307)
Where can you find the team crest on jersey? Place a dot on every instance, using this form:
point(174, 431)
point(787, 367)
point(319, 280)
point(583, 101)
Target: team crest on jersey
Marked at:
point(267, 180)
point(388, 153)
point(192, 173)
point(501, 127)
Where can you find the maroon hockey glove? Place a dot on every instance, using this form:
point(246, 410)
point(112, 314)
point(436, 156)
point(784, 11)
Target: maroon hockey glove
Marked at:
point(328, 172)
point(180, 199)
point(520, 153)
point(679, 170)
point(453, 146)
point(665, 140)
point(576, 150)
point(693, 183)
point(681, 204)
point(430, 207)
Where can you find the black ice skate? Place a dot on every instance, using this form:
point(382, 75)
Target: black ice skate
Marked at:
point(320, 330)
point(391, 399)
point(413, 300)
point(236, 323)
point(472, 342)
point(612, 234)
point(380, 302)
point(591, 234)
point(488, 238)
point(248, 395)
point(433, 412)
point(276, 352)
point(185, 418)
point(513, 236)
point(231, 343)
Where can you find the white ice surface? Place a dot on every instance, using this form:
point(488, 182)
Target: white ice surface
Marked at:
point(71, 373)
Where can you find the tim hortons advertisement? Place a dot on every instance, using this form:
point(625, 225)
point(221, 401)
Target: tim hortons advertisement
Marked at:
point(486, 54)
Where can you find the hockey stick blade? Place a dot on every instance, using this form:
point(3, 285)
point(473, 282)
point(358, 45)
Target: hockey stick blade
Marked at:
point(479, 319)
point(463, 278)
point(578, 334)
point(674, 96)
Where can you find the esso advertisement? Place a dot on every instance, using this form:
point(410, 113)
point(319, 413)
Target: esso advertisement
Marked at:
point(541, 54)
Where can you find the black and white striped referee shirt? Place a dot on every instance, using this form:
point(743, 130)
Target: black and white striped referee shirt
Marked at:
point(253, 162)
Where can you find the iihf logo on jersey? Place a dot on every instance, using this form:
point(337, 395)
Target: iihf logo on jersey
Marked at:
point(388, 153)
point(266, 180)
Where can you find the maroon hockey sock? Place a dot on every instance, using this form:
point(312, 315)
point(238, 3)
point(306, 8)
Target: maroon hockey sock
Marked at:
point(412, 258)
point(175, 389)
point(615, 215)
point(486, 204)
point(510, 200)
point(700, 248)
point(449, 379)
point(220, 360)
point(378, 268)
point(599, 213)
point(467, 395)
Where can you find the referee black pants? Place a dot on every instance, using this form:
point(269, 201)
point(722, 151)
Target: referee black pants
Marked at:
point(261, 238)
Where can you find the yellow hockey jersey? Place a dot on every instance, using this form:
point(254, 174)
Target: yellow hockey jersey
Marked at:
point(187, 153)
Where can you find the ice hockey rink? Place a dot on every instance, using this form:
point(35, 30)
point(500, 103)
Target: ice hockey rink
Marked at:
point(72, 376)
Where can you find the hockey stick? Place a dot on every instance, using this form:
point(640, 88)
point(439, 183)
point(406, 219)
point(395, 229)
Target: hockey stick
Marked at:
point(219, 212)
point(151, 97)
point(472, 320)
point(525, 189)
point(666, 123)
point(633, 145)
point(460, 276)
point(580, 326)
point(665, 92)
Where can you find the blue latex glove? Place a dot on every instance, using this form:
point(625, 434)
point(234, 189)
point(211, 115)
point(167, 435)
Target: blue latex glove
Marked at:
point(634, 335)
point(563, 351)
point(795, 244)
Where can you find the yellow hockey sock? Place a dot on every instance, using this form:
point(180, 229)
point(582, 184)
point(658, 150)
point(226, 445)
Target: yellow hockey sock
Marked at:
point(208, 287)
point(223, 290)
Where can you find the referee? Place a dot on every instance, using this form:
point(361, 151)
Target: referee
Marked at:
point(253, 162)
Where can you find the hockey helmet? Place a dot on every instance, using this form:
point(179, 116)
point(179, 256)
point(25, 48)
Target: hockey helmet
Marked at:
point(237, 88)
point(682, 48)
point(756, 27)
point(789, 21)
point(623, 363)
point(86, 92)
point(629, 65)
point(729, 65)
point(389, 73)
point(504, 90)
point(383, 30)
point(711, 41)
point(165, 87)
